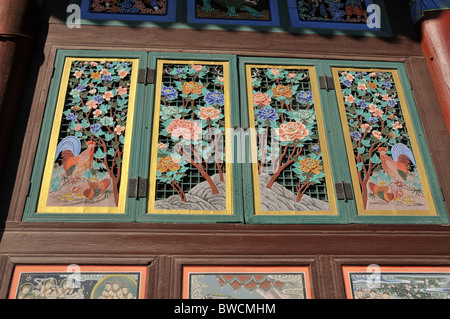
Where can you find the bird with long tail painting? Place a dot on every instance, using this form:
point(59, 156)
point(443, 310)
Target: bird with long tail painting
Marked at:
point(74, 162)
point(398, 168)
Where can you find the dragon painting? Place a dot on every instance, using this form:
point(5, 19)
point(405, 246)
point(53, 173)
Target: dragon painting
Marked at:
point(233, 6)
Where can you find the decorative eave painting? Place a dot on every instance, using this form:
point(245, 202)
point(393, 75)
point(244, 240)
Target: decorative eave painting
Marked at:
point(387, 169)
point(330, 14)
point(383, 282)
point(246, 282)
point(88, 156)
point(291, 164)
point(234, 12)
point(78, 282)
point(190, 169)
point(133, 10)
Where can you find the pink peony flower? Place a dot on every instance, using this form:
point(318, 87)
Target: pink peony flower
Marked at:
point(209, 112)
point(261, 99)
point(292, 131)
point(197, 68)
point(189, 130)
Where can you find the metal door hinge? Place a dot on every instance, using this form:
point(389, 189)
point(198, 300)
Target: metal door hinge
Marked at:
point(344, 191)
point(137, 187)
point(146, 76)
point(326, 83)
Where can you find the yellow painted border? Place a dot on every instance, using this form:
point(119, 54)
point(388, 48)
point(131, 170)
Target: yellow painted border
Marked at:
point(45, 186)
point(415, 147)
point(322, 137)
point(155, 141)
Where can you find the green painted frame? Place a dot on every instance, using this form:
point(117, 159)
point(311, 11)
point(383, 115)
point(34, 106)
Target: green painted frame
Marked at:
point(441, 217)
point(30, 209)
point(146, 141)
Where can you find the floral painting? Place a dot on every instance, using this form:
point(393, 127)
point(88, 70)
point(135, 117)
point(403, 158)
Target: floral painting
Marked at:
point(290, 165)
point(246, 283)
point(90, 153)
point(387, 168)
point(349, 11)
point(190, 168)
point(398, 283)
point(75, 282)
point(140, 7)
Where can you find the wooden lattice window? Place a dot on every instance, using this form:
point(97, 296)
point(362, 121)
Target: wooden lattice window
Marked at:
point(136, 136)
point(85, 148)
point(292, 174)
point(387, 167)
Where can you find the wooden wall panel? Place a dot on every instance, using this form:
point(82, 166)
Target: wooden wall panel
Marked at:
point(165, 247)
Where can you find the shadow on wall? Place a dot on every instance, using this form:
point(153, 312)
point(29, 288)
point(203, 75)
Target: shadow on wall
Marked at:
point(54, 12)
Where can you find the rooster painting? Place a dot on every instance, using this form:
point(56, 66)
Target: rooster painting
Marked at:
point(73, 162)
point(397, 167)
point(91, 189)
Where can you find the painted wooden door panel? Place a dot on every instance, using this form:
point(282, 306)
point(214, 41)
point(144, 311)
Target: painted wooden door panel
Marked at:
point(192, 173)
point(290, 145)
point(386, 165)
point(290, 168)
point(276, 154)
point(85, 148)
point(78, 282)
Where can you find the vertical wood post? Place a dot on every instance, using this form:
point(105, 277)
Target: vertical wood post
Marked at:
point(18, 24)
point(434, 30)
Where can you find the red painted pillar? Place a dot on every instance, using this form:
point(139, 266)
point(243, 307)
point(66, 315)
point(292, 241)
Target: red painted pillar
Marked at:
point(18, 23)
point(434, 29)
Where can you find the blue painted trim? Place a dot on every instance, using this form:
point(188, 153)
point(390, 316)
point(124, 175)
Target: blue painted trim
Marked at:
point(274, 14)
point(297, 22)
point(170, 15)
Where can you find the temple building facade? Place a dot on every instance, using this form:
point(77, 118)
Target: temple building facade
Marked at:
point(192, 149)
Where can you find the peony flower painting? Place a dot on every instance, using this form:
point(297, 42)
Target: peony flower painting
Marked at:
point(290, 163)
point(381, 146)
point(190, 153)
